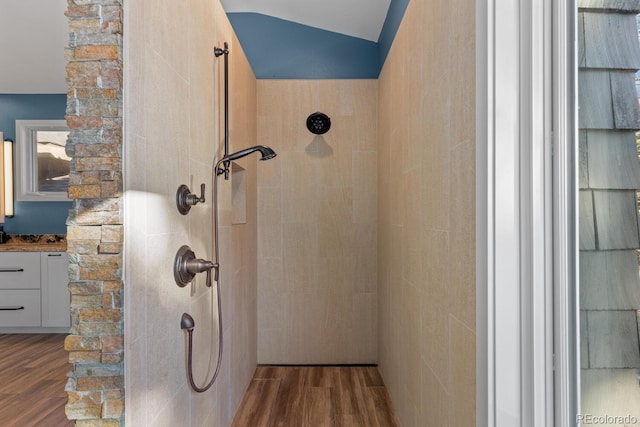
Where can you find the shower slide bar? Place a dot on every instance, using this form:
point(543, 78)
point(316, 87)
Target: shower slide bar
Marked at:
point(218, 52)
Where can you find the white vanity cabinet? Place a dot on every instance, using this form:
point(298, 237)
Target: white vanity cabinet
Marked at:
point(20, 289)
point(34, 295)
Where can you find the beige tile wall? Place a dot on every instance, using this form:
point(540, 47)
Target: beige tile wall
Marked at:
point(317, 223)
point(426, 215)
point(173, 102)
point(365, 253)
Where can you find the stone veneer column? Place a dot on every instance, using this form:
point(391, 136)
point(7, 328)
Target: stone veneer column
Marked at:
point(95, 224)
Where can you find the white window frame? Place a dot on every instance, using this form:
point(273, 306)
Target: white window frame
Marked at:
point(566, 317)
point(26, 170)
point(526, 218)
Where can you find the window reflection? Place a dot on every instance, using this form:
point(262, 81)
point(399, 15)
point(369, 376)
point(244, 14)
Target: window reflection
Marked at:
point(53, 162)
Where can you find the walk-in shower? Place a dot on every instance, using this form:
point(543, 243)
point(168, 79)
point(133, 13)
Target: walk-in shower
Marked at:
point(186, 264)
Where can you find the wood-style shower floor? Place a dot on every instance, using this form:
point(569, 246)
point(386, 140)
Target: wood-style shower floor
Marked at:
point(316, 396)
point(33, 373)
point(34, 367)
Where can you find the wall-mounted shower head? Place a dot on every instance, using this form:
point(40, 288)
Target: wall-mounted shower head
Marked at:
point(266, 153)
point(318, 123)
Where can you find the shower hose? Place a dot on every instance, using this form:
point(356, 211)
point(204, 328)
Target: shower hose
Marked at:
point(218, 297)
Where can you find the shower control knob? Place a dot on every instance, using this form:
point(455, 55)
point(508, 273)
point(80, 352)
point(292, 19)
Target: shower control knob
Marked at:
point(186, 266)
point(185, 198)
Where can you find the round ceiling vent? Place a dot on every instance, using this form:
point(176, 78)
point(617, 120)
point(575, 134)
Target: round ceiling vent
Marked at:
point(318, 123)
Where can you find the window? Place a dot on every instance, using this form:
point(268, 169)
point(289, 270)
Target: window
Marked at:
point(42, 165)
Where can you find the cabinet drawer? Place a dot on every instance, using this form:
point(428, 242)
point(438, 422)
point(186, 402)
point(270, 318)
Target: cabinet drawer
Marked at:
point(20, 308)
point(20, 270)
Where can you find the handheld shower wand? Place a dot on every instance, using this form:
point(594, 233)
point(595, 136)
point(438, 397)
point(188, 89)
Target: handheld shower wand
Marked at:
point(222, 167)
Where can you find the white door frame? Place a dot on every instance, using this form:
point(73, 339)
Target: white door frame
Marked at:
point(526, 221)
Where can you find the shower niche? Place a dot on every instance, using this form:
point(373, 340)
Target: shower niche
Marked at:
point(238, 195)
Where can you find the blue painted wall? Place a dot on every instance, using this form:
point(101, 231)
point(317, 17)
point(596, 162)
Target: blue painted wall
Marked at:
point(33, 217)
point(390, 27)
point(281, 49)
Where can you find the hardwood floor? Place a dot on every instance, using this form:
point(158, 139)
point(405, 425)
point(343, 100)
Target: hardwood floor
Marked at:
point(33, 373)
point(317, 396)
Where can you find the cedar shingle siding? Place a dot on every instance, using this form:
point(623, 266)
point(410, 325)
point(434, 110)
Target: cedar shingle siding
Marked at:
point(609, 175)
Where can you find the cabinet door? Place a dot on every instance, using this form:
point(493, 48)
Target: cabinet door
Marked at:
point(55, 289)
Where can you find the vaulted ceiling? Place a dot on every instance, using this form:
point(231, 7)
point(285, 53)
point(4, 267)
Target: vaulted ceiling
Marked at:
point(357, 18)
point(315, 39)
point(304, 39)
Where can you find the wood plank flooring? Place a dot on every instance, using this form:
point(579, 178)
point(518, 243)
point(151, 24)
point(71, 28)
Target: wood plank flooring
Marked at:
point(33, 374)
point(316, 396)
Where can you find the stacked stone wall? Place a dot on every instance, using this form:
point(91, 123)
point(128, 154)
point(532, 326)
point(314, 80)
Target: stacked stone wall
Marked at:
point(95, 224)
